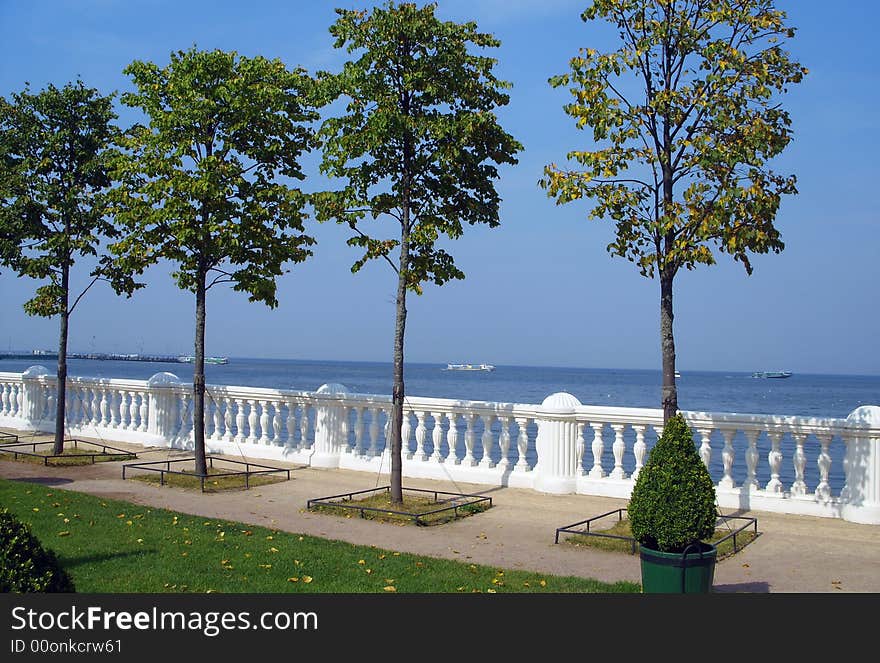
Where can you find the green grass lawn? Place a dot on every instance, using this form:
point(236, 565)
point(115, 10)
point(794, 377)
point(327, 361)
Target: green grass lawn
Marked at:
point(112, 546)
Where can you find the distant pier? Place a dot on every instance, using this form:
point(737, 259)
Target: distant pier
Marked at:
point(99, 356)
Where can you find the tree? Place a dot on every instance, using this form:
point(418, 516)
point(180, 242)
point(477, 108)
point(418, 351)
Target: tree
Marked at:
point(54, 176)
point(201, 186)
point(686, 117)
point(417, 146)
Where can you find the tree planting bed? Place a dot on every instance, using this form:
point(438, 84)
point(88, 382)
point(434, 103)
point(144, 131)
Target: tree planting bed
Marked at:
point(223, 473)
point(610, 531)
point(76, 452)
point(420, 506)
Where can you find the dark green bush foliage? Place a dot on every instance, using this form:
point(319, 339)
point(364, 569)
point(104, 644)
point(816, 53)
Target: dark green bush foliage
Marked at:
point(25, 566)
point(673, 500)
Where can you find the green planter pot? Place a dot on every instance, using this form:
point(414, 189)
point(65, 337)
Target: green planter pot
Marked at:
point(690, 572)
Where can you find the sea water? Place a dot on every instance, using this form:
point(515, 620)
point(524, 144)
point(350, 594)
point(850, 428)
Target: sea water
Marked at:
point(703, 391)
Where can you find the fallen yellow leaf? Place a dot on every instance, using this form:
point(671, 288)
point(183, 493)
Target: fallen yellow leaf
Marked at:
point(65, 533)
point(390, 588)
point(307, 579)
point(294, 579)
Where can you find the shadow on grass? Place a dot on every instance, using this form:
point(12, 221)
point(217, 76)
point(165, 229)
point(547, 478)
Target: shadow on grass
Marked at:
point(46, 481)
point(82, 560)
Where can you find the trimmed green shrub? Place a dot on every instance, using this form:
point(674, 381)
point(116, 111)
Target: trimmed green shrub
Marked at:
point(25, 566)
point(673, 501)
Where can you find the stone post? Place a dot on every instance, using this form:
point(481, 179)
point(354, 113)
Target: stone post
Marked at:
point(33, 402)
point(860, 496)
point(162, 415)
point(328, 428)
point(557, 467)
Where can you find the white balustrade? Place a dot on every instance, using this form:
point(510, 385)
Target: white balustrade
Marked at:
point(779, 463)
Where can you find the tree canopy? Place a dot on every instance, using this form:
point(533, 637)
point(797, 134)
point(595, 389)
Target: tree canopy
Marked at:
point(418, 144)
point(55, 147)
point(209, 184)
point(685, 119)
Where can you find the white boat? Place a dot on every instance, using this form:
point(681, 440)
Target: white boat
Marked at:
point(469, 367)
point(772, 374)
point(189, 359)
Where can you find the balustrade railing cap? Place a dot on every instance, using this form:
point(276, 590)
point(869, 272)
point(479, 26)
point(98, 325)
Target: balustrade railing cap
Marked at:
point(561, 401)
point(866, 415)
point(35, 372)
point(164, 379)
point(333, 388)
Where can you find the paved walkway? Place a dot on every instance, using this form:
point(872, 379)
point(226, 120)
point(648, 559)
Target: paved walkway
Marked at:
point(794, 554)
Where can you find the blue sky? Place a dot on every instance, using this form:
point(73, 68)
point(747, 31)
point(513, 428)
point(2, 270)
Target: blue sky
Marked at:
point(541, 288)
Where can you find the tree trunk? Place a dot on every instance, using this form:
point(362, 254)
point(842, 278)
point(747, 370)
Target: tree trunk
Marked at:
point(61, 398)
point(669, 392)
point(398, 392)
point(199, 380)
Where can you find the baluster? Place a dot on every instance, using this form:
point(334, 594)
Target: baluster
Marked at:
point(217, 432)
point(727, 457)
point(19, 400)
point(504, 442)
point(774, 458)
point(277, 423)
point(705, 447)
point(240, 421)
point(264, 422)
point(96, 407)
point(252, 421)
point(751, 481)
point(129, 417)
point(468, 460)
point(358, 431)
point(116, 401)
point(617, 448)
point(105, 406)
point(486, 440)
point(291, 425)
point(437, 436)
point(89, 406)
point(304, 425)
point(120, 411)
point(452, 439)
point(640, 450)
point(144, 412)
point(823, 490)
point(579, 449)
point(799, 487)
point(598, 447)
point(374, 432)
point(420, 436)
point(4, 399)
point(228, 419)
point(522, 444)
point(79, 407)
